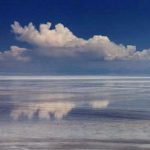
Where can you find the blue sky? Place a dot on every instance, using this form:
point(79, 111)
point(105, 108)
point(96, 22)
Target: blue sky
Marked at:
point(100, 38)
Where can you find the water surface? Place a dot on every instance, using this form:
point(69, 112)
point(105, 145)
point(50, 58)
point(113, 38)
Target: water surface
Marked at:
point(74, 112)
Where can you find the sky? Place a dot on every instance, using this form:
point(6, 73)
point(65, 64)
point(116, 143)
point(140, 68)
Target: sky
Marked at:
point(87, 37)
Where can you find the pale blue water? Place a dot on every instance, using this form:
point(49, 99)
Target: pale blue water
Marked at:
point(73, 113)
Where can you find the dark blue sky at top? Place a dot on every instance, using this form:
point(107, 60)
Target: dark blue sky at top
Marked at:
point(123, 21)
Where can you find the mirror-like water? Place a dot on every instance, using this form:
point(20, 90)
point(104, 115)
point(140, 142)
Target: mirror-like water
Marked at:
point(72, 113)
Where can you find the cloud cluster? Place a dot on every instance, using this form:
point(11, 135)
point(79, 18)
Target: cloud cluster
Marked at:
point(57, 50)
point(60, 41)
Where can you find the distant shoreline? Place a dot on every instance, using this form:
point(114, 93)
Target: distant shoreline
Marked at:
point(66, 77)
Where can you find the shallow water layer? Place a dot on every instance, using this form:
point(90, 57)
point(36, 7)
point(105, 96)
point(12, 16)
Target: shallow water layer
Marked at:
point(74, 112)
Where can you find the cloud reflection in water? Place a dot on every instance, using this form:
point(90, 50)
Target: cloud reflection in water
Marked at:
point(99, 104)
point(44, 110)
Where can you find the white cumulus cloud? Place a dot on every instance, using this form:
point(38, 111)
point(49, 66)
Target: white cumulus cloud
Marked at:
point(60, 41)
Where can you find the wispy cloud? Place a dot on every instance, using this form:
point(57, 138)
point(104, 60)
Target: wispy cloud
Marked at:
point(14, 54)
